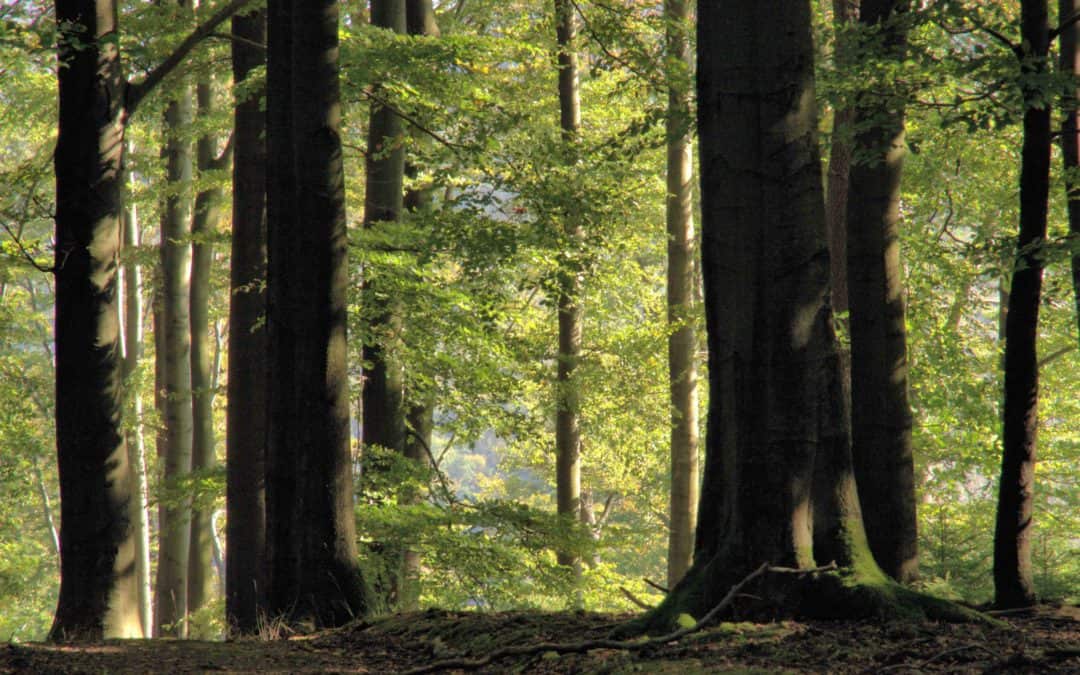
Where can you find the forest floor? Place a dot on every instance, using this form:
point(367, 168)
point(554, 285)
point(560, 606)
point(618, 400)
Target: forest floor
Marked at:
point(1043, 641)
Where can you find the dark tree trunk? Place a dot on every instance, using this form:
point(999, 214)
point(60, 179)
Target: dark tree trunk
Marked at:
point(880, 415)
point(571, 315)
point(314, 573)
point(1013, 585)
point(384, 380)
point(1070, 139)
point(246, 422)
point(774, 408)
point(98, 590)
point(682, 342)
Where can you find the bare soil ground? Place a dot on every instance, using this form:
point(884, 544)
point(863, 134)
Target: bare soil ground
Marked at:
point(1043, 641)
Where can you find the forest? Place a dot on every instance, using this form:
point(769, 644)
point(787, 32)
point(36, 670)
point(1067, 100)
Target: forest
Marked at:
point(562, 336)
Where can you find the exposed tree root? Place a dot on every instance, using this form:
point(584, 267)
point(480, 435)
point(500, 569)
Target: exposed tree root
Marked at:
point(629, 645)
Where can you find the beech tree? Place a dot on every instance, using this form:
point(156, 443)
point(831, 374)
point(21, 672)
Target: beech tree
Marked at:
point(98, 594)
point(311, 554)
point(246, 414)
point(1069, 64)
point(880, 415)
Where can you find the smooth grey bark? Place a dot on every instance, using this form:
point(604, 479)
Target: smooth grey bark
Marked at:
point(311, 540)
point(136, 439)
point(682, 341)
point(568, 301)
point(98, 591)
point(1013, 579)
point(204, 225)
point(384, 380)
point(881, 417)
point(171, 592)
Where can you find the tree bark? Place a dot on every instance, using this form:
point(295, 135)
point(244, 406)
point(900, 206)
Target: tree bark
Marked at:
point(175, 510)
point(1070, 139)
point(311, 539)
point(98, 588)
point(880, 414)
point(1013, 583)
point(204, 226)
point(682, 342)
point(773, 408)
point(384, 380)
point(246, 421)
point(136, 439)
point(845, 13)
point(568, 302)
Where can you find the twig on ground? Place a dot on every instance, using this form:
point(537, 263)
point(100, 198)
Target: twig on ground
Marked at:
point(587, 645)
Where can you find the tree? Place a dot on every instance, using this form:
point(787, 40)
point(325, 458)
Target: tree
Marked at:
point(384, 377)
point(880, 416)
point(97, 588)
point(246, 422)
point(1069, 64)
point(776, 451)
point(1013, 583)
point(682, 344)
point(174, 510)
point(310, 538)
point(568, 293)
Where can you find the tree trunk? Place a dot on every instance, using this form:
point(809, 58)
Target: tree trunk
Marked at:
point(175, 509)
point(571, 316)
point(384, 381)
point(880, 415)
point(845, 13)
point(136, 440)
point(1013, 584)
point(204, 225)
point(246, 422)
point(682, 343)
point(1070, 138)
point(420, 419)
point(98, 587)
point(311, 539)
point(774, 403)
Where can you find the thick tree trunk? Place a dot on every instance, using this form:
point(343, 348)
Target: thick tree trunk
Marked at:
point(682, 343)
point(571, 316)
point(384, 380)
point(774, 404)
point(136, 440)
point(204, 225)
point(98, 588)
point(1070, 139)
point(175, 509)
point(246, 420)
point(1013, 583)
point(880, 415)
point(311, 537)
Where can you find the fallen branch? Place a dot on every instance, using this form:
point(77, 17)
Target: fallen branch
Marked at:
point(588, 645)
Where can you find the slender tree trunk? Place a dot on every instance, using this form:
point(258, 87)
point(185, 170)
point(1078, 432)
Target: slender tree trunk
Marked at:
point(246, 421)
point(1013, 583)
point(136, 440)
point(682, 343)
point(311, 538)
point(175, 511)
point(845, 13)
point(420, 418)
point(98, 587)
point(203, 447)
point(1070, 139)
point(880, 414)
point(571, 316)
point(384, 381)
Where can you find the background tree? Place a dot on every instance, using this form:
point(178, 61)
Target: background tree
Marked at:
point(1069, 63)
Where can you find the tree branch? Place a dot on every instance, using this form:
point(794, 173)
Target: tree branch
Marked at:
point(1056, 32)
point(137, 91)
point(22, 249)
